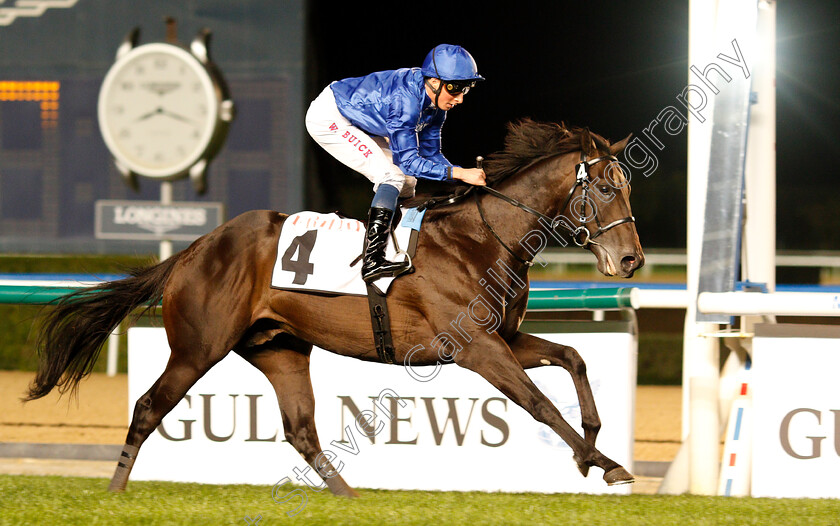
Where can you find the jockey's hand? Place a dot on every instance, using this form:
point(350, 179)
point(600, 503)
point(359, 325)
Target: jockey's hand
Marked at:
point(473, 176)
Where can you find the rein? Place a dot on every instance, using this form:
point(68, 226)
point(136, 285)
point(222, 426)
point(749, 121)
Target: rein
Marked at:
point(582, 180)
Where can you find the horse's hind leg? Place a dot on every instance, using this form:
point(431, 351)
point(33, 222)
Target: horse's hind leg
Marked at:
point(287, 368)
point(196, 344)
point(180, 374)
point(531, 352)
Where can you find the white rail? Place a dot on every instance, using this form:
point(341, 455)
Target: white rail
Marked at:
point(813, 259)
point(778, 303)
point(662, 299)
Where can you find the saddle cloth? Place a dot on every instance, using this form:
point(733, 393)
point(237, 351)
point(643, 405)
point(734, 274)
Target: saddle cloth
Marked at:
point(315, 252)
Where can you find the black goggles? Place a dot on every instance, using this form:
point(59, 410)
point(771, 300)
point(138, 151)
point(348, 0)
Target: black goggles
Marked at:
point(456, 87)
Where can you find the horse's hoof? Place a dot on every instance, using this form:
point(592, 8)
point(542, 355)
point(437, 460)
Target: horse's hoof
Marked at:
point(351, 494)
point(582, 467)
point(617, 476)
point(346, 491)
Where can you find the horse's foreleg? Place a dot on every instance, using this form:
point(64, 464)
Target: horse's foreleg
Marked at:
point(492, 359)
point(531, 351)
point(150, 409)
point(288, 372)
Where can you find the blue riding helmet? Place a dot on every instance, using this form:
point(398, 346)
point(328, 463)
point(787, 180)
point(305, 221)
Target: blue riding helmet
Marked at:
point(448, 62)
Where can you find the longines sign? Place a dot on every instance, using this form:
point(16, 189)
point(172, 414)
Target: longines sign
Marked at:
point(383, 428)
point(150, 220)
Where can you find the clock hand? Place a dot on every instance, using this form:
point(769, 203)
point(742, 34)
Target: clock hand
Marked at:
point(176, 116)
point(149, 115)
point(163, 111)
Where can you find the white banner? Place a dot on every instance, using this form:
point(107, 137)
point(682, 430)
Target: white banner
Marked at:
point(796, 405)
point(454, 432)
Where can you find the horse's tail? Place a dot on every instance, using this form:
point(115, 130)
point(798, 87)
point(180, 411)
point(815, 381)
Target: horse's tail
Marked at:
point(79, 324)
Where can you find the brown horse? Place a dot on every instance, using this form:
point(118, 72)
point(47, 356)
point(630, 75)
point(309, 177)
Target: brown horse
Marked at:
point(549, 182)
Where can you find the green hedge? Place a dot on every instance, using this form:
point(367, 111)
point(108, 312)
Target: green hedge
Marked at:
point(19, 324)
point(60, 264)
point(660, 358)
point(19, 328)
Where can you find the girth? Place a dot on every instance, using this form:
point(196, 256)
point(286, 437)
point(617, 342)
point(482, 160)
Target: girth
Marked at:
point(381, 322)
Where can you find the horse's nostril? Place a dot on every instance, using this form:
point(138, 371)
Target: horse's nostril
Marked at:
point(628, 262)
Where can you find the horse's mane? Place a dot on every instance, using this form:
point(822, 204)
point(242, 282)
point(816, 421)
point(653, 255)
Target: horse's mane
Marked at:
point(527, 142)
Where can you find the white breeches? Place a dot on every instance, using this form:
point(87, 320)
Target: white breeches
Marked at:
point(370, 156)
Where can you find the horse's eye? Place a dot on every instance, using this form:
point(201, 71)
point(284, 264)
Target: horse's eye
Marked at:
point(604, 189)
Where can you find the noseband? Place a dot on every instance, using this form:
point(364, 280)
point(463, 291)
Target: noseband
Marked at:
point(581, 235)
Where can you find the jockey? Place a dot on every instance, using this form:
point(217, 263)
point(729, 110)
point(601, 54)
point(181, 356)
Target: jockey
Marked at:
point(387, 126)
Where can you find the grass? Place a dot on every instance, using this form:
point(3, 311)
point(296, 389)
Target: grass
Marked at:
point(85, 501)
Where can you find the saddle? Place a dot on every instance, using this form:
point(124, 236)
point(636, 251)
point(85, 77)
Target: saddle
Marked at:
point(320, 253)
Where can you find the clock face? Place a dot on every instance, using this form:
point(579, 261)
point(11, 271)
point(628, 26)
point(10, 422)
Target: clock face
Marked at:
point(157, 110)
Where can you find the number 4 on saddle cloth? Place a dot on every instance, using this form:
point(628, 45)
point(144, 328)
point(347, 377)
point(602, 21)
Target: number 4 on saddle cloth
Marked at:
point(321, 252)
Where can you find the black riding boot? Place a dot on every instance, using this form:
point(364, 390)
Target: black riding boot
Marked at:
point(374, 264)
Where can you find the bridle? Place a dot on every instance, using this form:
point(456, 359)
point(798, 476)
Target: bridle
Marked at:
point(583, 181)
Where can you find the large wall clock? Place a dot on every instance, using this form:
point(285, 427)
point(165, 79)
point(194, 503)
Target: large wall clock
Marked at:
point(164, 111)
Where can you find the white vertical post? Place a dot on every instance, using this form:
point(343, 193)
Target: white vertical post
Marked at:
point(165, 199)
point(698, 351)
point(759, 243)
point(700, 354)
point(705, 435)
point(725, 24)
point(113, 352)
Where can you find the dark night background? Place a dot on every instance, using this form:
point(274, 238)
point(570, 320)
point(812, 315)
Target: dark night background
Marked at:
point(611, 66)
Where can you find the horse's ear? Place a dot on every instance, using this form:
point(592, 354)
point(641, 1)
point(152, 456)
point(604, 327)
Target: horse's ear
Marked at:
point(600, 143)
point(618, 147)
point(586, 141)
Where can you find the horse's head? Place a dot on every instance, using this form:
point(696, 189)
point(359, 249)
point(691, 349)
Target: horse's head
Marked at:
point(574, 183)
point(599, 207)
